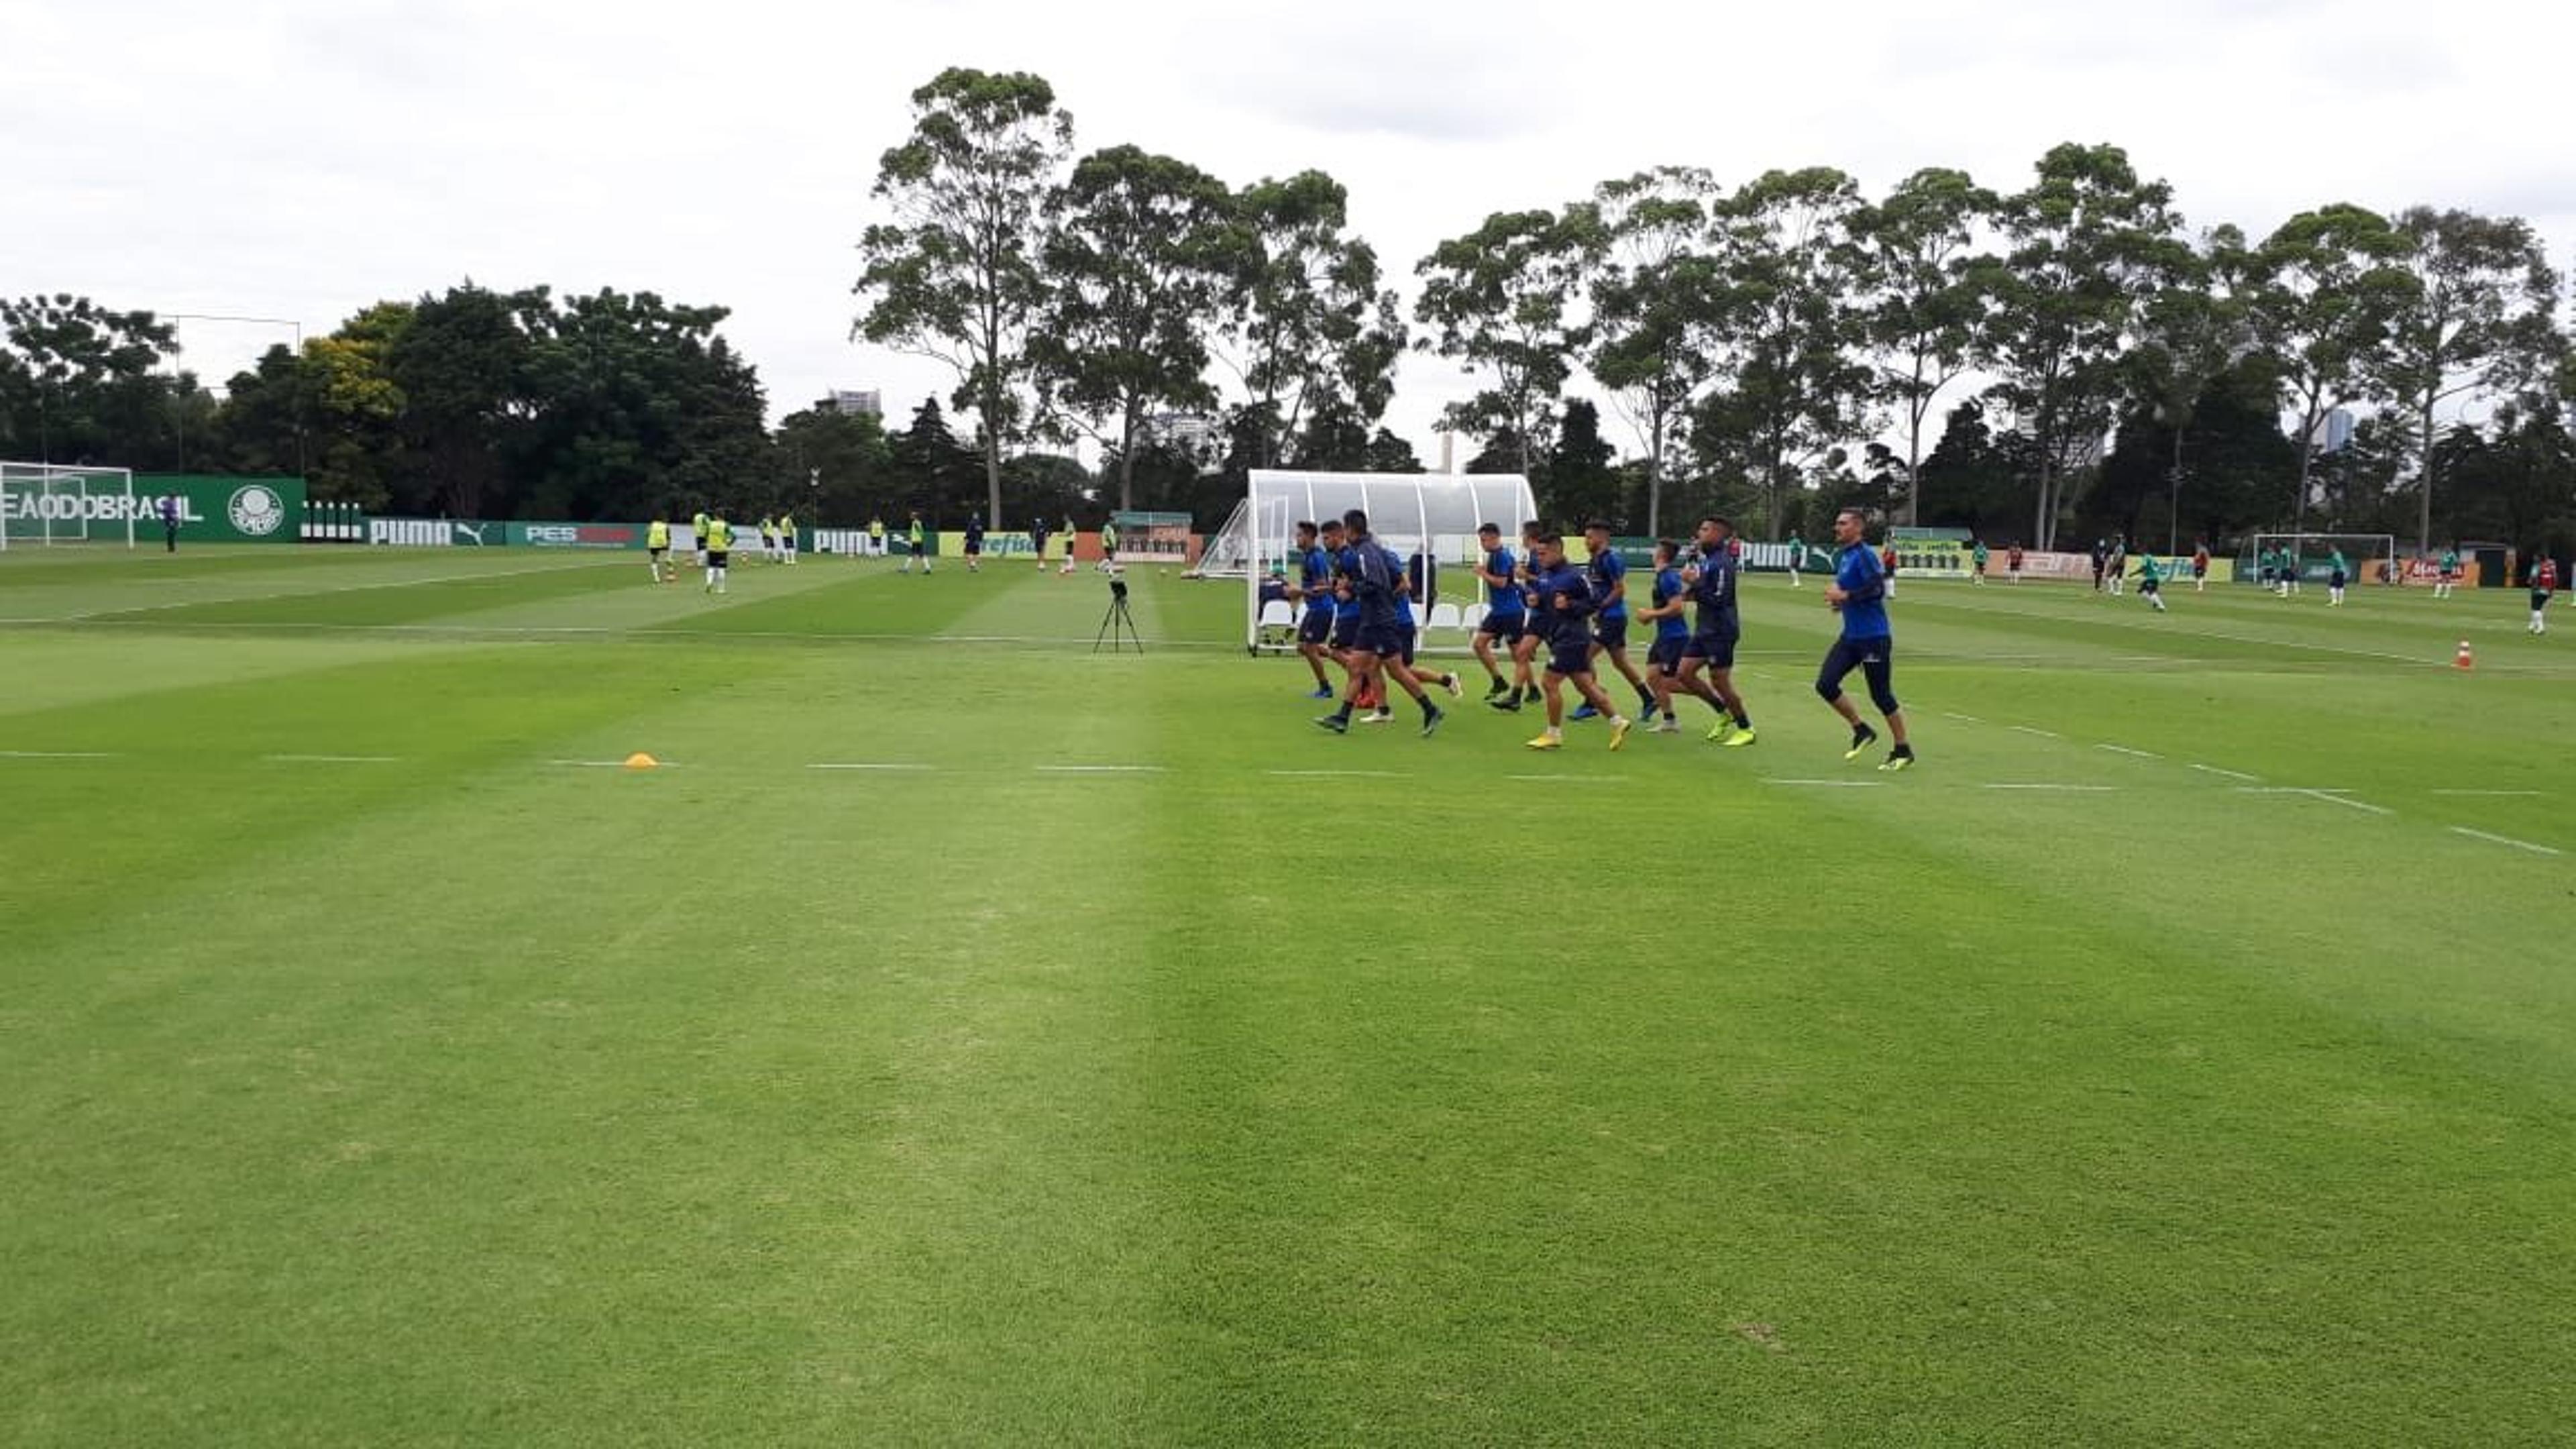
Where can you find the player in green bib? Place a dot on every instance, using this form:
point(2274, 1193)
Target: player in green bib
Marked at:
point(2450, 572)
point(1977, 555)
point(2151, 581)
point(1797, 559)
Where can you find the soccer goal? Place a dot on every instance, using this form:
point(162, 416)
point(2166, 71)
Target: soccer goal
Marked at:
point(2275, 560)
point(1431, 514)
point(53, 503)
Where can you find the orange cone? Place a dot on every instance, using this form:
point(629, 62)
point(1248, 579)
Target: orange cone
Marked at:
point(2464, 659)
point(642, 761)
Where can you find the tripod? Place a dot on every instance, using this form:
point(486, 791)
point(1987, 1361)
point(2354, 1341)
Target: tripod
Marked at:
point(1117, 627)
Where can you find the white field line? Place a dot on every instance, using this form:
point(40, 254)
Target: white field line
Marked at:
point(1961, 718)
point(2074, 789)
point(56, 755)
point(554, 568)
point(2331, 797)
point(1829, 784)
point(2504, 840)
point(333, 759)
point(2226, 774)
point(2133, 754)
point(2043, 734)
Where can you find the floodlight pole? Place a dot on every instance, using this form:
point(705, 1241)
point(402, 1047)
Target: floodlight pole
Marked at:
point(299, 352)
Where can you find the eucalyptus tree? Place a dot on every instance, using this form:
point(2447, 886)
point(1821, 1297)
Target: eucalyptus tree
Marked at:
point(956, 273)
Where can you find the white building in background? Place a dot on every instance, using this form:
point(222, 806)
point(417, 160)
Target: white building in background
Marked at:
point(1192, 435)
point(2334, 431)
point(868, 404)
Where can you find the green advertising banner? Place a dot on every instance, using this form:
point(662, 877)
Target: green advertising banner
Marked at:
point(221, 510)
point(594, 535)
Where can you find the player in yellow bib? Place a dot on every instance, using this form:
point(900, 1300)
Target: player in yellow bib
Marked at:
point(657, 542)
point(719, 542)
point(917, 546)
point(787, 538)
point(698, 532)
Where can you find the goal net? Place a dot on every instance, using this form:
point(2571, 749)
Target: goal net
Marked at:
point(2287, 560)
point(55, 503)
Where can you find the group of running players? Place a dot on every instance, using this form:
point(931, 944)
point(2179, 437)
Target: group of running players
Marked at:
point(1553, 623)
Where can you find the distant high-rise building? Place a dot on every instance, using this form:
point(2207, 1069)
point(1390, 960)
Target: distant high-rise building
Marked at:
point(1191, 433)
point(868, 404)
point(2334, 431)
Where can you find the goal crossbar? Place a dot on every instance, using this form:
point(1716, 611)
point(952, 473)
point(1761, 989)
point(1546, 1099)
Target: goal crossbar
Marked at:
point(49, 504)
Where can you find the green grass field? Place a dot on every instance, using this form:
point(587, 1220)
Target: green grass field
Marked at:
point(969, 1039)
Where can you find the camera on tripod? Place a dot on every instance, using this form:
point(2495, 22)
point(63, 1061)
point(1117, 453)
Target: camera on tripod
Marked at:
point(1117, 627)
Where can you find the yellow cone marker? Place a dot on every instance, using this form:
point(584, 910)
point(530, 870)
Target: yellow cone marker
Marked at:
point(642, 761)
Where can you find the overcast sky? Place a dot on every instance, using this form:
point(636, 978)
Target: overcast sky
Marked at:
point(299, 160)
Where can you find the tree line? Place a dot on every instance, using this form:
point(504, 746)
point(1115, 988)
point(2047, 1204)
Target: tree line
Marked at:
point(2067, 357)
point(1778, 347)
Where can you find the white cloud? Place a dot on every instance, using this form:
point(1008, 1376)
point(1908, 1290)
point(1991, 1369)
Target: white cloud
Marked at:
point(303, 158)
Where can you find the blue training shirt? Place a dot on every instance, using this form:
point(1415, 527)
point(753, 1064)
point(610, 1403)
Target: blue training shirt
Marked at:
point(1565, 601)
point(1607, 569)
point(1715, 593)
point(1668, 587)
point(1506, 601)
point(1372, 571)
point(1858, 573)
point(1315, 577)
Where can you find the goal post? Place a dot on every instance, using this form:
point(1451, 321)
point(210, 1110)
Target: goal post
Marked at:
point(47, 504)
point(2275, 560)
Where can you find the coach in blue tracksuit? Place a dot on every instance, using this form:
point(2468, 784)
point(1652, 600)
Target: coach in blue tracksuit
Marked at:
point(1859, 594)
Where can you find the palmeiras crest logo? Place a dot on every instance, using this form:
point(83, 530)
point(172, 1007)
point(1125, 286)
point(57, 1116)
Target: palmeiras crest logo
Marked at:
point(256, 510)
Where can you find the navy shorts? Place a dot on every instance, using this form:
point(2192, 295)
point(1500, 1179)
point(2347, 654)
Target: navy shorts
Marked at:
point(1570, 657)
point(1508, 628)
point(1316, 627)
point(1612, 633)
point(716, 558)
point(1874, 658)
point(2335, 580)
point(1346, 631)
point(1664, 656)
point(2148, 586)
point(2539, 599)
point(1406, 636)
point(1381, 638)
point(1717, 649)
